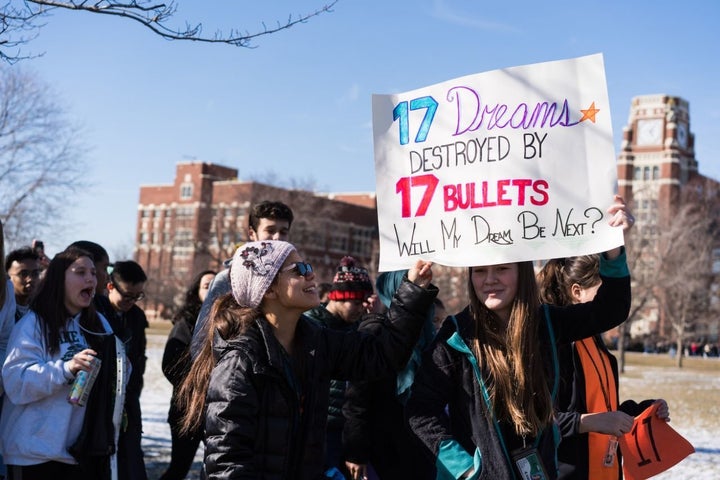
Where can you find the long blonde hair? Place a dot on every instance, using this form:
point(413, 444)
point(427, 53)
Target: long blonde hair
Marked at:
point(517, 381)
point(230, 320)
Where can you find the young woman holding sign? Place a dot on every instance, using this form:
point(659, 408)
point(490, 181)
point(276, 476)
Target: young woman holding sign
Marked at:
point(589, 414)
point(482, 401)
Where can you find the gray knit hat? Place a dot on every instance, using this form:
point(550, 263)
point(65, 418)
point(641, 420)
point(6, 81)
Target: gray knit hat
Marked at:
point(254, 268)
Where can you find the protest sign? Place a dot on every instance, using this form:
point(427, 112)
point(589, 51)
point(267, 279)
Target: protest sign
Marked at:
point(652, 446)
point(503, 166)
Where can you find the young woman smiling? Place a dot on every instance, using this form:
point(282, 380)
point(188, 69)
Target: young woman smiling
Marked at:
point(482, 401)
point(261, 381)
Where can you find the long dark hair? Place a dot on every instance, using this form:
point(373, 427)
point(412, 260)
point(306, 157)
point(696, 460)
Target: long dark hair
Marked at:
point(559, 275)
point(49, 302)
point(517, 381)
point(191, 306)
point(229, 320)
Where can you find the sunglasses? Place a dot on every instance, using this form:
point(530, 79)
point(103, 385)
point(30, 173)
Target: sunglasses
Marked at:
point(128, 296)
point(302, 269)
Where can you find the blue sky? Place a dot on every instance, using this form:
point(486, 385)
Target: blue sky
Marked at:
point(298, 107)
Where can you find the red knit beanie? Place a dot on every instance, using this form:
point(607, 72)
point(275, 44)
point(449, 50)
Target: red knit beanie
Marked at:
point(350, 282)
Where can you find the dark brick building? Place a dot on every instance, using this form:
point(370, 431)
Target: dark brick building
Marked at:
point(196, 223)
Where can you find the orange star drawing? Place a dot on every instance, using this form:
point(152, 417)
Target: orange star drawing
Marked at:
point(590, 113)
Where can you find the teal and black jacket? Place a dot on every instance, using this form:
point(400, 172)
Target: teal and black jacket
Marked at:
point(449, 409)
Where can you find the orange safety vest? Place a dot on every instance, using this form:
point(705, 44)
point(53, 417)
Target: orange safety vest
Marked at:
point(600, 396)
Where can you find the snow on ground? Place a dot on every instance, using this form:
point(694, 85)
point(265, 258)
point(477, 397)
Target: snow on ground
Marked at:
point(703, 435)
point(155, 402)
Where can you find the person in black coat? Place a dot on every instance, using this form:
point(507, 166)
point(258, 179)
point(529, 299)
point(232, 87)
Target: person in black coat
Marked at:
point(348, 299)
point(175, 366)
point(126, 285)
point(589, 413)
point(261, 382)
point(376, 439)
point(483, 396)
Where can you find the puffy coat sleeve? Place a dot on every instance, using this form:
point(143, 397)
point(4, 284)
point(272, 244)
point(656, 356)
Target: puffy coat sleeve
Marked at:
point(356, 436)
point(382, 344)
point(28, 374)
point(231, 418)
point(435, 380)
point(176, 359)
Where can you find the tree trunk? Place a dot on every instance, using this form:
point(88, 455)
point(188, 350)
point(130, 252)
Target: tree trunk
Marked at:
point(680, 352)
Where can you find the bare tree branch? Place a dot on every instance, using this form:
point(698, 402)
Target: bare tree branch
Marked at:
point(41, 161)
point(674, 270)
point(19, 23)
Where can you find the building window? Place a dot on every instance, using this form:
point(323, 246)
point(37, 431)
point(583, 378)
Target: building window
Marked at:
point(183, 238)
point(186, 191)
point(646, 173)
point(638, 173)
point(656, 172)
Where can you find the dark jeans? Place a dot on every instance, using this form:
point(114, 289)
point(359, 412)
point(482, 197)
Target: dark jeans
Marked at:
point(44, 471)
point(182, 456)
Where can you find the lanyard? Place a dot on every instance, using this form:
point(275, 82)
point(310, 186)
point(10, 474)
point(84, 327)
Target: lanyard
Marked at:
point(457, 343)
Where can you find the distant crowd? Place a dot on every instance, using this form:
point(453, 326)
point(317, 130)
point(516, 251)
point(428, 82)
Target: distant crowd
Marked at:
point(279, 376)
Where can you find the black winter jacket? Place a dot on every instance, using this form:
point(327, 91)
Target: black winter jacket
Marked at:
point(176, 360)
point(320, 314)
point(266, 416)
point(447, 410)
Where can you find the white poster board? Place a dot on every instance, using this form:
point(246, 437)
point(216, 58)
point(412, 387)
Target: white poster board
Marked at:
point(503, 166)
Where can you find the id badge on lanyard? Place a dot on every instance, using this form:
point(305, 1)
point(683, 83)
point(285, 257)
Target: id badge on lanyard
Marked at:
point(529, 464)
point(609, 459)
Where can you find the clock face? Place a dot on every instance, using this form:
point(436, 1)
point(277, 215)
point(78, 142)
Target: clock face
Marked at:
point(649, 132)
point(682, 135)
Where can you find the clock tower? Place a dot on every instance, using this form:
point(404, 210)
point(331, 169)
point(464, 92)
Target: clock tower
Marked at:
point(657, 156)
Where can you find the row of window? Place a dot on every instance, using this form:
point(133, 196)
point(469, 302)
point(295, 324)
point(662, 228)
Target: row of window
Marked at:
point(180, 212)
point(643, 173)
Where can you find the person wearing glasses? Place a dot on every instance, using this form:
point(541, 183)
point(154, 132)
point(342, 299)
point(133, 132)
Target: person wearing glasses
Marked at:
point(23, 268)
point(125, 287)
point(261, 381)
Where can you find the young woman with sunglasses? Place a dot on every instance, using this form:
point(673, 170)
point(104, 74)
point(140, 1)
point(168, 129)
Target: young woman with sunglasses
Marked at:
point(261, 381)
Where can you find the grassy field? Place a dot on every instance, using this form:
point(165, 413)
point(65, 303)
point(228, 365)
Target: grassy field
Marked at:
point(692, 392)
